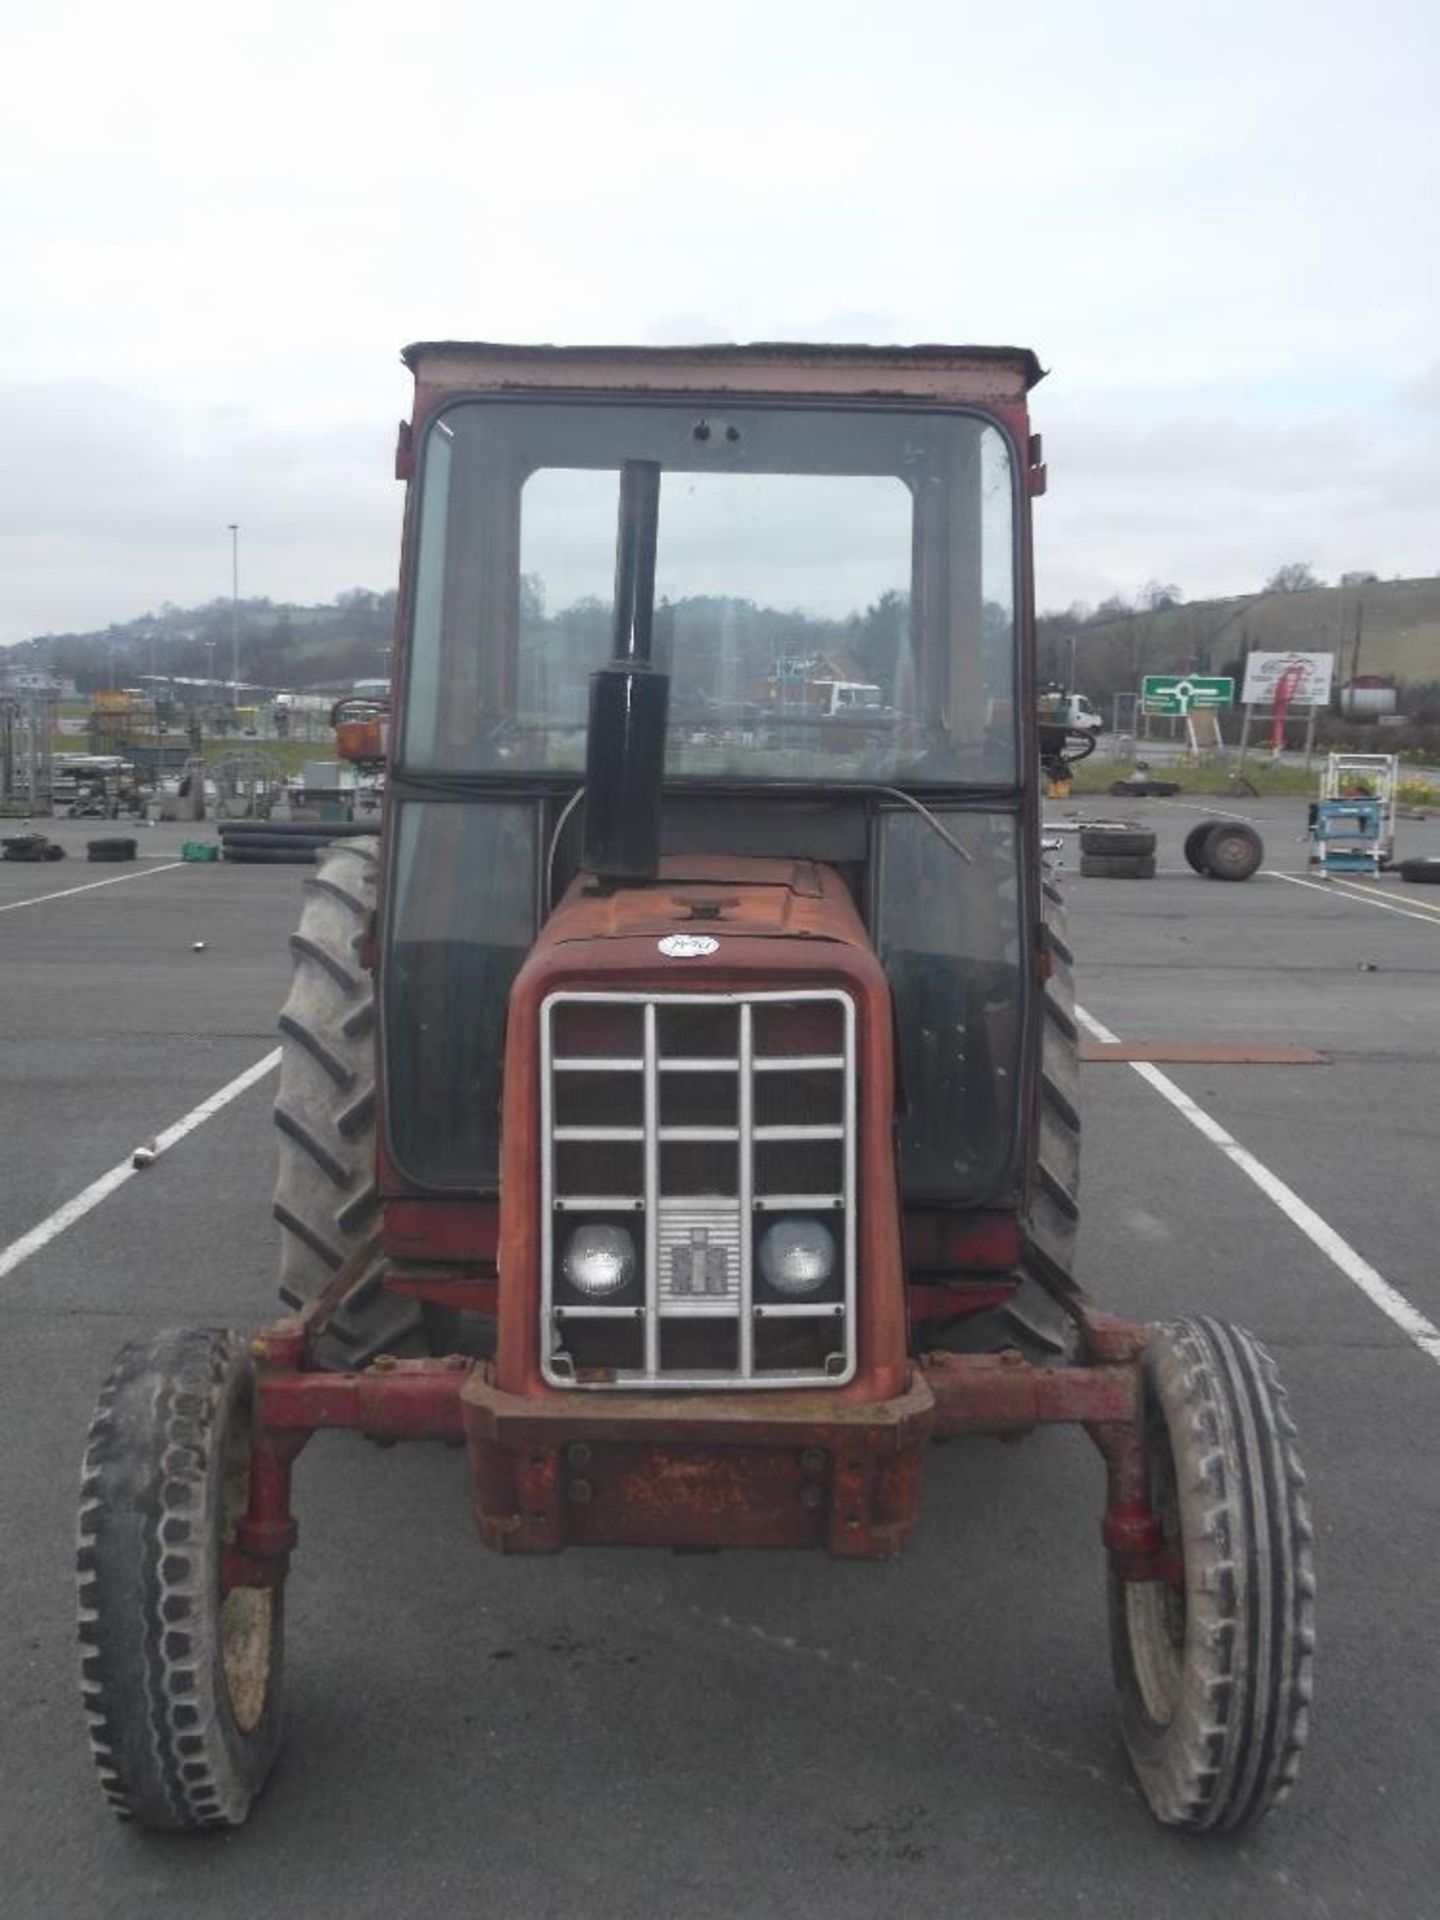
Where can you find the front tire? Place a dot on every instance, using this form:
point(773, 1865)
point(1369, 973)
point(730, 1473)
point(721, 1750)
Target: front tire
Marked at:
point(182, 1679)
point(1214, 1665)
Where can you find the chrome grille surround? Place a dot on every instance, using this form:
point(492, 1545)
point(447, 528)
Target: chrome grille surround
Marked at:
point(697, 1268)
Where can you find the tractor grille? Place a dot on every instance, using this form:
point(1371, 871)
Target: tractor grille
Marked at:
point(694, 1139)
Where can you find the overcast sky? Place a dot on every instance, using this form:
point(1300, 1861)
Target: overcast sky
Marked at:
point(1216, 224)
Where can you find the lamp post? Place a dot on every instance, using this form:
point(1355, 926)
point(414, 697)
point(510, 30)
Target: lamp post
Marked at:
point(235, 609)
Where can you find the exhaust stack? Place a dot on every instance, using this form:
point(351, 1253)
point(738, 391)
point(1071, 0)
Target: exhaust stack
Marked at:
point(629, 702)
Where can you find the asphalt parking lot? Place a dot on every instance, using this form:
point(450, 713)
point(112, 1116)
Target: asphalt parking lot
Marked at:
point(748, 1735)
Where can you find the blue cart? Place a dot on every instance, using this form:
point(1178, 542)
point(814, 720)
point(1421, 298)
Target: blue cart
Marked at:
point(1352, 824)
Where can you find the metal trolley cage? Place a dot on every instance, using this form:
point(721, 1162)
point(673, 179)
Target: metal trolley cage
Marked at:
point(1352, 824)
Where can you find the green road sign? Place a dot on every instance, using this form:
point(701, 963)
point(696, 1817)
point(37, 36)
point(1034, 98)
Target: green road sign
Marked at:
point(1177, 693)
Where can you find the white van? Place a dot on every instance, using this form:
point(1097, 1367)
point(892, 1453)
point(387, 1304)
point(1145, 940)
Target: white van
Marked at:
point(1080, 714)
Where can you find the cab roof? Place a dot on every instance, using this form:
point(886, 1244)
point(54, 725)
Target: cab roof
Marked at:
point(933, 373)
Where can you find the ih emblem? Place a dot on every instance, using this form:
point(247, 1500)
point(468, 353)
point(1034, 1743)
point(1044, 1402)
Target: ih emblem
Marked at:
point(687, 946)
point(698, 1268)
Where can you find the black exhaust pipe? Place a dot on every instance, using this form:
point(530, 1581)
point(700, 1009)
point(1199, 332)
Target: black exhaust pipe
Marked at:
point(629, 702)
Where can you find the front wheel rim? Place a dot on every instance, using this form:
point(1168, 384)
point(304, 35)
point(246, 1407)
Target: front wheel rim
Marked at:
point(246, 1623)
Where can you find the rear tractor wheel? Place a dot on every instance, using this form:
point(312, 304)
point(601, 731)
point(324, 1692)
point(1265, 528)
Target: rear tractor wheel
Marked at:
point(325, 1196)
point(181, 1676)
point(1034, 1321)
point(1213, 1662)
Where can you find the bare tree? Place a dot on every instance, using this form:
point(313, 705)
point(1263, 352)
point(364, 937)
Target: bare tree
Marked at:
point(1159, 596)
point(1298, 577)
point(1115, 607)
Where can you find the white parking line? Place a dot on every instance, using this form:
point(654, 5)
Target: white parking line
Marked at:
point(1365, 890)
point(64, 893)
point(101, 1189)
point(1361, 899)
point(1220, 813)
point(1378, 1290)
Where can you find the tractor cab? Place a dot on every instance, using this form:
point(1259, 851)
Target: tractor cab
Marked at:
point(731, 645)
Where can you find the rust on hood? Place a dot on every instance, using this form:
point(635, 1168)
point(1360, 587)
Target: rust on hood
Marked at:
point(792, 899)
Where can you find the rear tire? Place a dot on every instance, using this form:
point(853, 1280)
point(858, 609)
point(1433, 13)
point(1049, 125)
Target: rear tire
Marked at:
point(325, 1196)
point(182, 1680)
point(1214, 1670)
point(1036, 1320)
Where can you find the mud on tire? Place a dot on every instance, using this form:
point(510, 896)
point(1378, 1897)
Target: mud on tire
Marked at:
point(1214, 1666)
point(325, 1197)
point(182, 1681)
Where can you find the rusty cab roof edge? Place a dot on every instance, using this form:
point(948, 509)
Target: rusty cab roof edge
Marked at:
point(550, 359)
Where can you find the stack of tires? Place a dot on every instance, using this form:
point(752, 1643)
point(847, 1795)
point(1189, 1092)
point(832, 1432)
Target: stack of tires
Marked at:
point(120, 847)
point(30, 846)
point(1224, 849)
point(1117, 853)
point(284, 842)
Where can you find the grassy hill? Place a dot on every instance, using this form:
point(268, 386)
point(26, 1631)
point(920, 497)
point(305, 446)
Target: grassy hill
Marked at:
point(1390, 628)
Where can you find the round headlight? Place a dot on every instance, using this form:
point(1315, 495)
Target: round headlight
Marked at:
point(599, 1261)
point(797, 1256)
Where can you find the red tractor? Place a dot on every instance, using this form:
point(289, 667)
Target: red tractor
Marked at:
point(679, 1106)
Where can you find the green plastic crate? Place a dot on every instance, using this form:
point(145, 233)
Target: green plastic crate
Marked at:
point(199, 850)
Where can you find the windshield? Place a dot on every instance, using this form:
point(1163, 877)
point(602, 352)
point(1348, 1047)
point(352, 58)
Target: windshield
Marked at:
point(834, 590)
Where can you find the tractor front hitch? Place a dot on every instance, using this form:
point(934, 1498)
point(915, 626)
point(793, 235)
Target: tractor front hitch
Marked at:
point(729, 1469)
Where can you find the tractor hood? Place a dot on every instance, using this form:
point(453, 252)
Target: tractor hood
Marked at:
point(699, 903)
